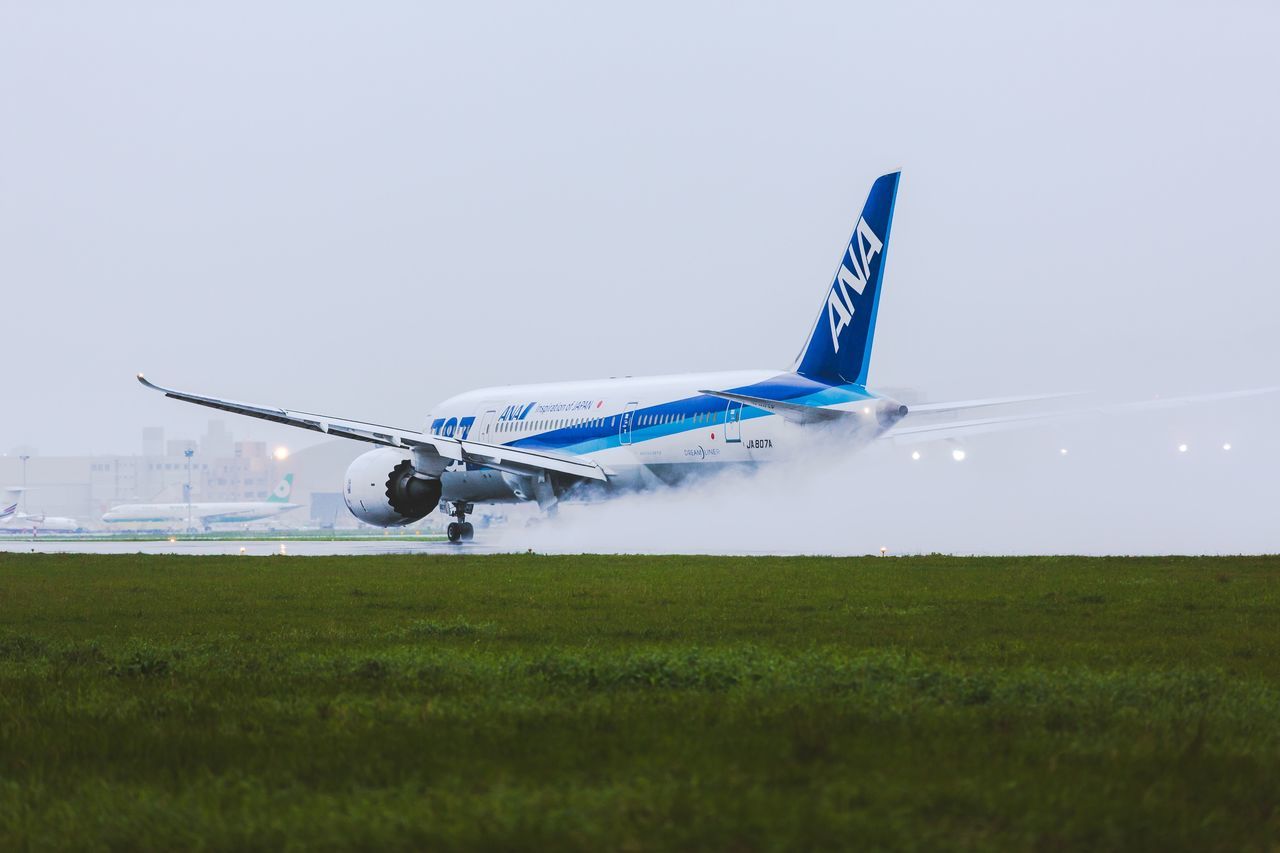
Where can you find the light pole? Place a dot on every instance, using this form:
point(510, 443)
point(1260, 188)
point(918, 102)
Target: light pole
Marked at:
point(24, 482)
point(188, 453)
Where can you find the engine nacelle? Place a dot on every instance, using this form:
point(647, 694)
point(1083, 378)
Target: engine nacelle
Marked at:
point(382, 489)
point(889, 412)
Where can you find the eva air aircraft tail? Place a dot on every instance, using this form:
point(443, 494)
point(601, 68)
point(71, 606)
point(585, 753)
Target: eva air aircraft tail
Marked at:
point(593, 439)
point(282, 491)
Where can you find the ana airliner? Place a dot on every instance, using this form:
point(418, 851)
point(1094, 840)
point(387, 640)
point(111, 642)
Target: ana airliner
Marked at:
point(596, 438)
point(206, 513)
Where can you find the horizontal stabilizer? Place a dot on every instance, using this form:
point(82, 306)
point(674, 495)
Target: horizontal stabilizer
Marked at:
point(794, 412)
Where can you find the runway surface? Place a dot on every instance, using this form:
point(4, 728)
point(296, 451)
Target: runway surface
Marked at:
point(248, 547)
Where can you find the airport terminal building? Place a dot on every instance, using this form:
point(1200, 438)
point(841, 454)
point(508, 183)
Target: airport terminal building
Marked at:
point(221, 469)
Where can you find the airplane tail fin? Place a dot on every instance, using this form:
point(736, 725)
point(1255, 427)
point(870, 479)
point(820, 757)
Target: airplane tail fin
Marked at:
point(839, 347)
point(7, 511)
point(282, 491)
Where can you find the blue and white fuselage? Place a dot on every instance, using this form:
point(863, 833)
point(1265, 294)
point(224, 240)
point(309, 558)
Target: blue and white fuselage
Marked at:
point(546, 442)
point(648, 431)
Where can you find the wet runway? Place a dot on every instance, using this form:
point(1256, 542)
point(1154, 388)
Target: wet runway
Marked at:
point(248, 547)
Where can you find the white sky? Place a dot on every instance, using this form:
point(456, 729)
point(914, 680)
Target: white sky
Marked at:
point(364, 208)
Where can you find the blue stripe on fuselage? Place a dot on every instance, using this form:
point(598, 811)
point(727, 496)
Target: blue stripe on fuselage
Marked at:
point(786, 387)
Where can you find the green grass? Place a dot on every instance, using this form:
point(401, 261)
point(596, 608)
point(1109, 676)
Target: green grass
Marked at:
point(526, 702)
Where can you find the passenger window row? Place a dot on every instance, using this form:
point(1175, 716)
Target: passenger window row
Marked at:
point(694, 419)
point(554, 423)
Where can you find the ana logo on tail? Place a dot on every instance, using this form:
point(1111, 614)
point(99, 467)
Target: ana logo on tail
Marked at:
point(853, 276)
point(841, 352)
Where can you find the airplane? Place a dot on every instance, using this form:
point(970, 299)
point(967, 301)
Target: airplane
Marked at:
point(592, 439)
point(13, 521)
point(206, 513)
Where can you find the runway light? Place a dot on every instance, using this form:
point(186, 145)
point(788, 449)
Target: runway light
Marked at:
point(242, 549)
point(883, 550)
point(1226, 446)
point(281, 453)
point(957, 455)
point(1182, 448)
point(915, 454)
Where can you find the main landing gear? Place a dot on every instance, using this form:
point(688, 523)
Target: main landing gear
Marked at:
point(461, 530)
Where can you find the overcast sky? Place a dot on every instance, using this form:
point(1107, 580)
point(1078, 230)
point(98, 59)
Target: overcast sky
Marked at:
point(364, 208)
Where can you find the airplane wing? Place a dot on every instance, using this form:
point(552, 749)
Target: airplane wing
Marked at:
point(961, 405)
point(957, 429)
point(516, 460)
point(904, 432)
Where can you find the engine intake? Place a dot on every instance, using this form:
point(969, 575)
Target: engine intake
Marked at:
point(412, 497)
point(382, 489)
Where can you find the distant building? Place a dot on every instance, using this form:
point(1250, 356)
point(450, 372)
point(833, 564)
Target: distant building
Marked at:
point(222, 469)
point(153, 441)
point(179, 447)
point(84, 487)
point(216, 443)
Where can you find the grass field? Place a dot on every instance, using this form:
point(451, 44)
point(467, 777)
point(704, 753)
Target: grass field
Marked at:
point(524, 702)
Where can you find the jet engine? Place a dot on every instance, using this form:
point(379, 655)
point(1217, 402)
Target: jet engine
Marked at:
point(383, 489)
point(889, 412)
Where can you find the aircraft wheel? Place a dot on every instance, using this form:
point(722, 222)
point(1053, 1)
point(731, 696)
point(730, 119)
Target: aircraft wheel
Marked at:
point(454, 531)
point(468, 531)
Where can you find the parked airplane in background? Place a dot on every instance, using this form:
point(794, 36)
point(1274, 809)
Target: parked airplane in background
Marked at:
point(205, 513)
point(13, 521)
point(543, 442)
